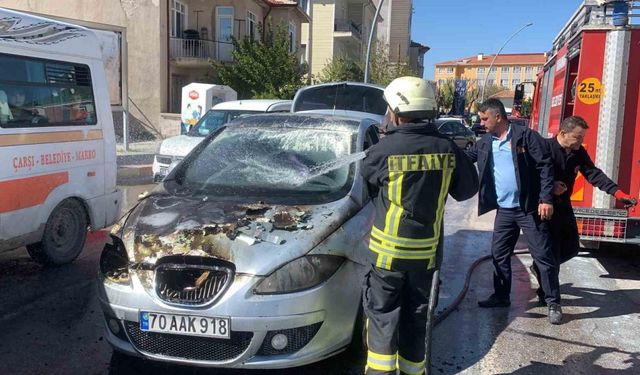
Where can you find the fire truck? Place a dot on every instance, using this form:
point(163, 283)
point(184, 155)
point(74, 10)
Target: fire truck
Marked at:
point(593, 71)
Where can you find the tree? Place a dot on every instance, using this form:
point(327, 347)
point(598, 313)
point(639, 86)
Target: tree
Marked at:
point(525, 109)
point(341, 69)
point(262, 68)
point(444, 95)
point(382, 71)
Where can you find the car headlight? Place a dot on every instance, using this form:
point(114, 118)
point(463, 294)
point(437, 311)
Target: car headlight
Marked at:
point(114, 262)
point(300, 274)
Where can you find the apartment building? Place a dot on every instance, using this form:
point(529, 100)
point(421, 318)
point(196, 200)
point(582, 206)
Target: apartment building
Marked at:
point(339, 28)
point(507, 71)
point(164, 44)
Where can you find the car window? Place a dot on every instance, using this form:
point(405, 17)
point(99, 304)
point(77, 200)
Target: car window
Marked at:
point(458, 128)
point(341, 97)
point(294, 163)
point(214, 119)
point(371, 137)
point(446, 128)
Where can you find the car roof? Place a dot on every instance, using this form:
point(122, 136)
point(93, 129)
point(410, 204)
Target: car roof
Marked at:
point(262, 105)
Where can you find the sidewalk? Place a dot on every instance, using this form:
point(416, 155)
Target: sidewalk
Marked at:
point(134, 165)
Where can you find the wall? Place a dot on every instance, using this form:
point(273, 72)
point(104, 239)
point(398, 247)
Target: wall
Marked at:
point(322, 31)
point(400, 31)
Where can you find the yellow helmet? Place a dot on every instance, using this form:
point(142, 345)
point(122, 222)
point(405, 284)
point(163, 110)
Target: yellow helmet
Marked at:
point(411, 97)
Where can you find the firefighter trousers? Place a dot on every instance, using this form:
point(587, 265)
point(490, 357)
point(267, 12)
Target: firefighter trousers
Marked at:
point(396, 304)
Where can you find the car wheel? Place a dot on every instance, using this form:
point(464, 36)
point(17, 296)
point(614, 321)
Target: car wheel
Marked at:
point(358, 347)
point(64, 235)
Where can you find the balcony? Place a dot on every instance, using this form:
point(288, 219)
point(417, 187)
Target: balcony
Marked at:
point(197, 52)
point(347, 29)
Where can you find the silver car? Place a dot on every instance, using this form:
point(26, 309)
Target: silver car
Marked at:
point(250, 254)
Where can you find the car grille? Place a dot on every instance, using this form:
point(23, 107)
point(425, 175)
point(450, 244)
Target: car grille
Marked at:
point(189, 347)
point(297, 339)
point(191, 285)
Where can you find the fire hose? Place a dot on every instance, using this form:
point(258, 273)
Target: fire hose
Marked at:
point(433, 319)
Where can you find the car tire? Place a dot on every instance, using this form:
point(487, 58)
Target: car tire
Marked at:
point(64, 235)
point(358, 347)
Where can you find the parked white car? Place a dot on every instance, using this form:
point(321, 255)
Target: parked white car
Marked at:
point(176, 148)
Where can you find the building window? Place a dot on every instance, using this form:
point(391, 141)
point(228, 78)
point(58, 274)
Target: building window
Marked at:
point(528, 69)
point(481, 70)
point(450, 70)
point(178, 18)
point(493, 70)
point(516, 70)
point(292, 38)
point(252, 31)
point(491, 82)
point(515, 82)
point(505, 69)
point(480, 82)
point(224, 33)
point(441, 82)
point(504, 82)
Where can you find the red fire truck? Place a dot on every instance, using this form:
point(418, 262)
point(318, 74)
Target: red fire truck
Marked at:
point(593, 71)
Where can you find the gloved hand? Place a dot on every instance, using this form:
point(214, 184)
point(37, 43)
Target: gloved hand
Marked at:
point(625, 198)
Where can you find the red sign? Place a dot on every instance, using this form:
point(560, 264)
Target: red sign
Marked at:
point(193, 94)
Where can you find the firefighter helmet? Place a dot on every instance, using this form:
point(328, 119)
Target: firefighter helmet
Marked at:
point(411, 97)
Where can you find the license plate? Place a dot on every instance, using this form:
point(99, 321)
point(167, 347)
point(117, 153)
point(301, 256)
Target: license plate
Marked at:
point(185, 324)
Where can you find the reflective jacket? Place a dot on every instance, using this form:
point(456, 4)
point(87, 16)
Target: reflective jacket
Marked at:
point(411, 171)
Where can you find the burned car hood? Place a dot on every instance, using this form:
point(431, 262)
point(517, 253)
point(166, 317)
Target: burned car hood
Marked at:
point(256, 237)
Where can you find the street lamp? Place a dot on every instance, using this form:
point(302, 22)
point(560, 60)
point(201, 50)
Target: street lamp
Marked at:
point(486, 76)
point(373, 29)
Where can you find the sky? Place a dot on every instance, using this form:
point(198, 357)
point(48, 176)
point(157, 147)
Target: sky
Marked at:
point(459, 28)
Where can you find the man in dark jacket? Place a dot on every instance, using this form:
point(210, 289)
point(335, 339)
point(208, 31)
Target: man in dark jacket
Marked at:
point(516, 178)
point(412, 169)
point(569, 158)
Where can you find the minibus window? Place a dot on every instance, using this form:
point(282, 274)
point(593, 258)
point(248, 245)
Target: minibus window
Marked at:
point(35, 93)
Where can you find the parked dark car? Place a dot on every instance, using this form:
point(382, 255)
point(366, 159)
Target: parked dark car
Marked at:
point(519, 121)
point(454, 128)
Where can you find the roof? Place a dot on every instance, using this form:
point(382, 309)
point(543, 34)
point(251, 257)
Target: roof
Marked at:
point(503, 94)
point(422, 48)
point(261, 105)
point(502, 59)
point(280, 2)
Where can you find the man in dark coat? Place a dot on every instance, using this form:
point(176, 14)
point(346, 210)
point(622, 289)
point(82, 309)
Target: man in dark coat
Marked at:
point(569, 158)
point(516, 179)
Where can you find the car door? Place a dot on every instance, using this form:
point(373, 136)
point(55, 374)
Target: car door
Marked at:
point(448, 128)
point(460, 134)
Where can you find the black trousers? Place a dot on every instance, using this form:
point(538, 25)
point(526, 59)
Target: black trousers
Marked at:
point(396, 304)
point(537, 233)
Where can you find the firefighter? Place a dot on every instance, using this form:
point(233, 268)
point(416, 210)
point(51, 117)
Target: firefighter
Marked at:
point(516, 179)
point(569, 158)
point(410, 172)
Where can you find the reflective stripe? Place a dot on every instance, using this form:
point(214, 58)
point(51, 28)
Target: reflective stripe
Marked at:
point(444, 190)
point(411, 368)
point(382, 362)
point(403, 241)
point(400, 254)
point(392, 222)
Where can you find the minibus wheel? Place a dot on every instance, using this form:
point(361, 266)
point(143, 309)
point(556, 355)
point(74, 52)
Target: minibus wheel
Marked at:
point(64, 235)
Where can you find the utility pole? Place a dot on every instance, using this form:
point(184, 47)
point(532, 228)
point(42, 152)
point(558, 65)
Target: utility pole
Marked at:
point(373, 30)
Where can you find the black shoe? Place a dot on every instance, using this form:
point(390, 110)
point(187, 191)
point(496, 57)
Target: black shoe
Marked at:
point(495, 301)
point(541, 297)
point(555, 313)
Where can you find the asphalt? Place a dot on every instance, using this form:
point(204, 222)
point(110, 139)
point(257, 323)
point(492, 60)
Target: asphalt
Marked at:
point(50, 321)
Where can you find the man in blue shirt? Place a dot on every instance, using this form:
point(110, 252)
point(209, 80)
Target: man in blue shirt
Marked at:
point(516, 178)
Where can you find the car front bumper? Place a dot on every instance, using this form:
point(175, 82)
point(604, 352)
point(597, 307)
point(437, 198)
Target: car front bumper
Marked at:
point(320, 321)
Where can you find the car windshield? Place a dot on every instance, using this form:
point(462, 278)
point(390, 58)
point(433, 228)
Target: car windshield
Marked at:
point(300, 164)
point(214, 119)
point(342, 97)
